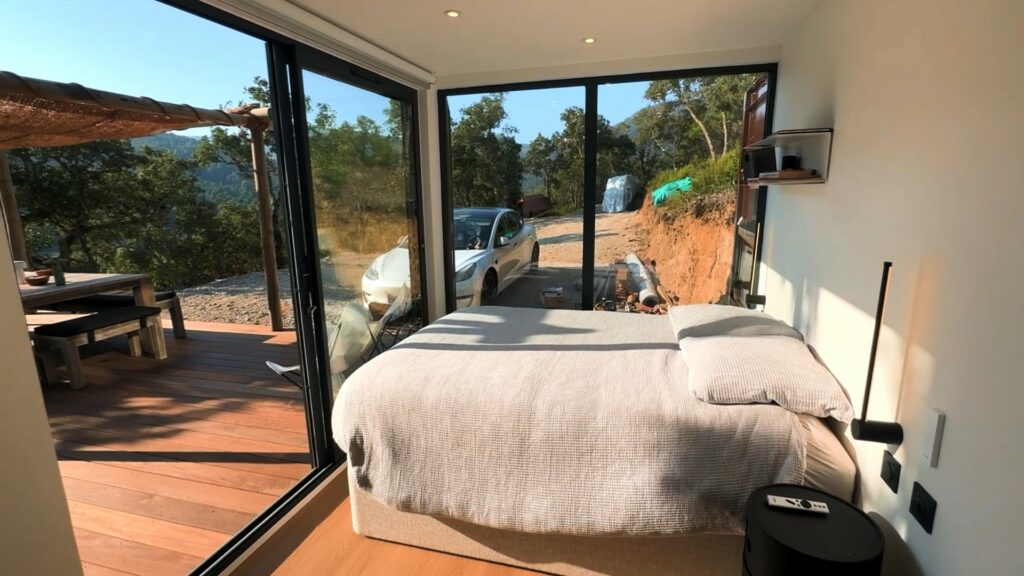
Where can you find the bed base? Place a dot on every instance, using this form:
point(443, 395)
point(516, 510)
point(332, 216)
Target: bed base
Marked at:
point(698, 555)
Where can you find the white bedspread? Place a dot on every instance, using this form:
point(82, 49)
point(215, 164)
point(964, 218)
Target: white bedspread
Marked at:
point(557, 421)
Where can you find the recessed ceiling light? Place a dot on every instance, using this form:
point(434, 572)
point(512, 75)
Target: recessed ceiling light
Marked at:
point(452, 13)
point(589, 40)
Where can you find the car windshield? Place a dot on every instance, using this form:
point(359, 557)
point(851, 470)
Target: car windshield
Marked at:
point(472, 232)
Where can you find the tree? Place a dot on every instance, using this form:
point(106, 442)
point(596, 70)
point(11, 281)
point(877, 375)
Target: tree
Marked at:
point(486, 165)
point(708, 108)
point(558, 160)
point(541, 159)
point(105, 207)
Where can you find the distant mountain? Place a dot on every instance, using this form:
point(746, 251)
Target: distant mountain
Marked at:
point(220, 181)
point(180, 146)
point(628, 126)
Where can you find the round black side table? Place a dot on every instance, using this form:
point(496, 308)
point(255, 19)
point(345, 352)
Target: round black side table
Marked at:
point(780, 541)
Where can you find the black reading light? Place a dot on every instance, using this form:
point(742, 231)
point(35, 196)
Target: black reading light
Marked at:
point(862, 428)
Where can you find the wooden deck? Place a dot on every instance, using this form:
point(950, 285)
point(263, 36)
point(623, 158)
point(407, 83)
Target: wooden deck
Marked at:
point(163, 461)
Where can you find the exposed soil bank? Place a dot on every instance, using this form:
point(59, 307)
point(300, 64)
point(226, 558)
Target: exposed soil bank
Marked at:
point(693, 249)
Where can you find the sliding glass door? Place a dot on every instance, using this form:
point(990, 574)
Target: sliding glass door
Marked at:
point(362, 178)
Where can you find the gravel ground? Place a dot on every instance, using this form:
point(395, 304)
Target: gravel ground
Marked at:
point(243, 299)
point(236, 300)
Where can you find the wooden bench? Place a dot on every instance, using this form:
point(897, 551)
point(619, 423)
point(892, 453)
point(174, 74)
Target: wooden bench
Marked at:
point(103, 302)
point(63, 338)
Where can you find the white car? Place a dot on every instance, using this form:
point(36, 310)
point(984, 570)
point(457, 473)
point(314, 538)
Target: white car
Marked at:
point(493, 247)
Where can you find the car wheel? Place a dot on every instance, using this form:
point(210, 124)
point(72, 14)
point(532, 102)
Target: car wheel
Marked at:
point(535, 258)
point(489, 291)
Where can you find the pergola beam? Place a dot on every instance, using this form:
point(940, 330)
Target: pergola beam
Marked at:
point(42, 113)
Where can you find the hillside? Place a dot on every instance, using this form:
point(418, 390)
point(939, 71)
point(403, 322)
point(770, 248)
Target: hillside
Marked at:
point(220, 181)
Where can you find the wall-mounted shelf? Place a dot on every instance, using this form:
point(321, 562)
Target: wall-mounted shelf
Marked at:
point(812, 145)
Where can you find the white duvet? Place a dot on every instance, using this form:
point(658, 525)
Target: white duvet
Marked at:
point(553, 421)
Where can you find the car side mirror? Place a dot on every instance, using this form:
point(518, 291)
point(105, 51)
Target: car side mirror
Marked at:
point(504, 241)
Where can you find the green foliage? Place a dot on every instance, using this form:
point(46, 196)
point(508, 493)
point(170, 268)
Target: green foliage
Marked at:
point(558, 160)
point(694, 117)
point(709, 177)
point(360, 180)
point(486, 163)
point(182, 210)
point(104, 206)
point(692, 127)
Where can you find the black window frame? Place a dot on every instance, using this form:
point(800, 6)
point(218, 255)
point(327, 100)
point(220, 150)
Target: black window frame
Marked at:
point(590, 149)
point(286, 58)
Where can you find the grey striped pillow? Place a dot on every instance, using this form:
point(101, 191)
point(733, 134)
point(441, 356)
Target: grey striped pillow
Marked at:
point(703, 320)
point(763, 370)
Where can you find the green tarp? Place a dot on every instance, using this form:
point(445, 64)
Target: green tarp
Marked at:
point(670, 189)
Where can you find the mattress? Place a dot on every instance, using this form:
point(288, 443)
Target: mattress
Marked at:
point(551, 421)
point(828, 465)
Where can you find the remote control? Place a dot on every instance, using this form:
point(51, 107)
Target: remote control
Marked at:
point(798, 504)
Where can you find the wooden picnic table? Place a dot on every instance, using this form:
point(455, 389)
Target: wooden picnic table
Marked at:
point(81, 284)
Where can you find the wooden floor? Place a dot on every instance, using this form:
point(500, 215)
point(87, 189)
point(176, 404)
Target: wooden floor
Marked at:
point(163, 461)
point(331, 547)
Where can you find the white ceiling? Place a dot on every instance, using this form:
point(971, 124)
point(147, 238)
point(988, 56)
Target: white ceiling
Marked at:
point(497, 35)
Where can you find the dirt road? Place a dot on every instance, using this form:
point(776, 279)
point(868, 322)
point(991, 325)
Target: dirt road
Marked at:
point(561, 239)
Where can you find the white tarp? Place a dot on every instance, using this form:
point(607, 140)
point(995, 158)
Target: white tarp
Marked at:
point(619, 192)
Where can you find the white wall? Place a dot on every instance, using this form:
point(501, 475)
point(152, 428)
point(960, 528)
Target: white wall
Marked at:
point(35, 527)
point(926, 101)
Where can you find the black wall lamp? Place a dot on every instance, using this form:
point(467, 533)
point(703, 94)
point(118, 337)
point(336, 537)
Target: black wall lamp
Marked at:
point(862, 428)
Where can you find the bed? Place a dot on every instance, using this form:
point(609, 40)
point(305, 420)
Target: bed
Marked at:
point(566, 442)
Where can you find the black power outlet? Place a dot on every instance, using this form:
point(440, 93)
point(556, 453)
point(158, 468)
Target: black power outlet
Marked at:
point(891, 469)
point(922, 507)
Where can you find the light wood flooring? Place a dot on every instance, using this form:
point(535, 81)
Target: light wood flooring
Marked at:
point(323, 543)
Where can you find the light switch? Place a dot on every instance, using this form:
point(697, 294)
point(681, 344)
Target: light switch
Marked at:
point(933, 440)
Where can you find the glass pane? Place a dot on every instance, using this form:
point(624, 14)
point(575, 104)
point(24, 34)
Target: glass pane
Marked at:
point(517, 196)
point(200, 442)
point(668, 162)
point(366, 213)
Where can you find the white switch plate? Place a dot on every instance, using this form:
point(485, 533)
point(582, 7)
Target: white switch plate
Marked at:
point(933, 441)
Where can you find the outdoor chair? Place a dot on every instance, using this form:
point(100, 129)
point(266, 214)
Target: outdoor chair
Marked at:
point(387, 327)
point(349, 339)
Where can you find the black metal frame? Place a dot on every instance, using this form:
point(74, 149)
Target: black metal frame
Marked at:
point(591, 85)
point(762, 199)
point(286, 59)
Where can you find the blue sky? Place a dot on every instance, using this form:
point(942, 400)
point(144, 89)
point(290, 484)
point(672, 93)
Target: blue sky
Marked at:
point(145, 48)
point(537, 111)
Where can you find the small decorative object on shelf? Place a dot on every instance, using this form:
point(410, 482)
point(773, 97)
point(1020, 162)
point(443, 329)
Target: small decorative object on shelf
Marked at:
point(798, 530)
point(789, 157)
